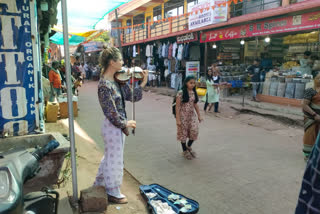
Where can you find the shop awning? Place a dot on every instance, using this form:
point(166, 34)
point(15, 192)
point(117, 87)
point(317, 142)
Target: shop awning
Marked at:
point(57, 38)
point(83, 33)
point(87, 14)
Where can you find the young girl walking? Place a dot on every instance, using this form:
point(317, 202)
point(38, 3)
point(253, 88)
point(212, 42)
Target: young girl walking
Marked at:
point(188, 116)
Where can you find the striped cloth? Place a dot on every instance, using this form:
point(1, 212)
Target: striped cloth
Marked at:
point(309, 197)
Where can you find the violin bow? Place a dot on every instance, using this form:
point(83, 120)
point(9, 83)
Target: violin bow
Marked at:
point(133, 104)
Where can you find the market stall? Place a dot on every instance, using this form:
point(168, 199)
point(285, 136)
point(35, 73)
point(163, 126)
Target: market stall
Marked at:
point(287, 47)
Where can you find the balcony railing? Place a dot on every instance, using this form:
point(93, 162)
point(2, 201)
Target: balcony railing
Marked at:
point(154, 29)
point(177, 24)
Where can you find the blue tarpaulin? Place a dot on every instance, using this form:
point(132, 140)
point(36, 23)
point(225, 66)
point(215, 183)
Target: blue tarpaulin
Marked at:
point(57, 38)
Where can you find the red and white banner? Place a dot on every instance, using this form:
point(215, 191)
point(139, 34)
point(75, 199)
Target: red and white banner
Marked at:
point(307, 21)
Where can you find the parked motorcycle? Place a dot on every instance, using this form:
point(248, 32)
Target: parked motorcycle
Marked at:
point(16, 167)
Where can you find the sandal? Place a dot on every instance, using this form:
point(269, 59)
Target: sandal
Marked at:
point(187, 155)
point(193, 153)
point(115, 200)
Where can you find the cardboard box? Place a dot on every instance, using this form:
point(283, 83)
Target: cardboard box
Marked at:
point(64, 109)
point(52, 112)
point(63, 104)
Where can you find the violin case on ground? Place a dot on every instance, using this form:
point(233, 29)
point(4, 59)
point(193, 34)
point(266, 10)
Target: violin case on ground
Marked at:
point(163, 194)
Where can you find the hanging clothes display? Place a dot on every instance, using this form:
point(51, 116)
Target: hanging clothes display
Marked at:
point(154, 50)
point(180, 52)
point(186, 51)
point(167, 50)
point(148, 51)
point(134, 52)
point(164, 50)
point(159, 49)
point(174, 49)
point(170, 51)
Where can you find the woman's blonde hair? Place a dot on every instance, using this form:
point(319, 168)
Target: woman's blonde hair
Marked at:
point(108, 54)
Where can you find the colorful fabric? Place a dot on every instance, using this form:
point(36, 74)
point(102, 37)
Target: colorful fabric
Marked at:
point(111, 101)
point(213, 94)
point(110, 171)
point(55, 78)
point(311, 128)
point(308, 201)
point(189, 128)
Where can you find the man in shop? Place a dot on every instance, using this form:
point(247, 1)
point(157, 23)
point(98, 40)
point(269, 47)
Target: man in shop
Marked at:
point(266, 63)
point(255, 72)
point(152, 77)
point(305, 64)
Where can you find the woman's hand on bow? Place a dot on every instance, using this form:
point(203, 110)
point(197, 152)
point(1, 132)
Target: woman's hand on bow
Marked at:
point(145, 74)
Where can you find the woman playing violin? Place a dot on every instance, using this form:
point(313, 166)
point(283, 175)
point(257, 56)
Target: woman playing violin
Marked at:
point(112, 97)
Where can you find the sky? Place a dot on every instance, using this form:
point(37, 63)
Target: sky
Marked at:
point(85, 14)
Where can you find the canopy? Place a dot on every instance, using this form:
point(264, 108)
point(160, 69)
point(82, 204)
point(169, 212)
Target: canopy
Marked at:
point(57, 38)
point(86, 14)
point(83, 33)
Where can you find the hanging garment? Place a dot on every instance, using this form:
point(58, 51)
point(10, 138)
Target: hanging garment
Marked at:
point(180, 52)
point(151, 50)
point(174, 50)
point(148, 51)
point(170, 51)
point(164, 50)
point(167, 50)
point(148, 61)
point(176, 67)
point(186, 51)
point(134, 52)
point(159, 50)
point(154, 50)
point(166, 62)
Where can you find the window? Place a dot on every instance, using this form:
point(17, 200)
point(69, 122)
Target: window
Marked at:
point(173, 8)
point(139, 19)
point(128, 24)
point(190, 4)
point(157, 11)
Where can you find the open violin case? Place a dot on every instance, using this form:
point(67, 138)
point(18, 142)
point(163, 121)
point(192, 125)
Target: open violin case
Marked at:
point(178, 202)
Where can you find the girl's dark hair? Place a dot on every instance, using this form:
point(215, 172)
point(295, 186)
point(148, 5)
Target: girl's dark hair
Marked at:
point(185, 93)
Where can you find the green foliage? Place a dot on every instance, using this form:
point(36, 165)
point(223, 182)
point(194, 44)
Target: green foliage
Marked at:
point(104, 37)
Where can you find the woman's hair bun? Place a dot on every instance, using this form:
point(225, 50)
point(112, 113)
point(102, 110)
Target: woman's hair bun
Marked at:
point(108, 54)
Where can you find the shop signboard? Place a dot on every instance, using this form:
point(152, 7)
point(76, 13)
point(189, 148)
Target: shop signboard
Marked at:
point(189, 37)
point(92, 46)
point(203, 14)
point(307, 21)
point(18, 77)
point(193, 68)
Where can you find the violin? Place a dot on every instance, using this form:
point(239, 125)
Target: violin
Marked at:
point(126, 74)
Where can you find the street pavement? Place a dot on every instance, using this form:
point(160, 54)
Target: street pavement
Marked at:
point(240, 169)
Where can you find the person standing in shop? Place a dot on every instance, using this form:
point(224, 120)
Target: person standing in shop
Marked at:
point(188, 116)
point(152, 76)
point(115, 126)
point(55, 81)
point(305, 64)
point(255, 71)
point(215, 68)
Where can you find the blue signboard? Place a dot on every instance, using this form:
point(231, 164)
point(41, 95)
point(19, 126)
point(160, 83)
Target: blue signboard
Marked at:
point(17, 75)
